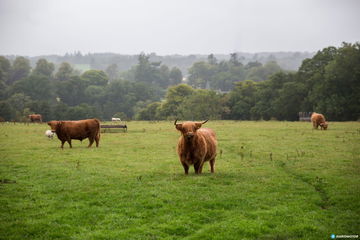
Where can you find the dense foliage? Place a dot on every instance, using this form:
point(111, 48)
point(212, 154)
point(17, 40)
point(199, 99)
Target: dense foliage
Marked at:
point(329, 83)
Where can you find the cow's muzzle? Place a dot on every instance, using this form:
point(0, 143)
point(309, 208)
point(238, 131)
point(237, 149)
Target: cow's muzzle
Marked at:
point(189, 136)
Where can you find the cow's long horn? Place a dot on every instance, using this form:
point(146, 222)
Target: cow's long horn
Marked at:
point(205, 121)
point(175, 122)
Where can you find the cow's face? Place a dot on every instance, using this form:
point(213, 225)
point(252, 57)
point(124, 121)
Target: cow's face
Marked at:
point(324, 125)
point(53, 125)
point(188, 129)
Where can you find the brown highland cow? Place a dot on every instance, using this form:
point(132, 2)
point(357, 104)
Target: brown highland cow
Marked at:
point(67, 130)
point(196, 146)
point(317, 120)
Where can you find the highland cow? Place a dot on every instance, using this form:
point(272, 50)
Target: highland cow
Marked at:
point(317, 120)
point(35, 118)
point(67, 130)
point(196, 146)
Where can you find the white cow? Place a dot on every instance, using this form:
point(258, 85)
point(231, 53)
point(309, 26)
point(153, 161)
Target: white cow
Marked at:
point(115, 119)
point(49, 134)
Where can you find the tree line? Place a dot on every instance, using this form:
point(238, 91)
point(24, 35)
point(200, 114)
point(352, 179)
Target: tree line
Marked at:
point(329, 83)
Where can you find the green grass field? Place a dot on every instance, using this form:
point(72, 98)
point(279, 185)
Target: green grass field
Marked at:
point(273, 180)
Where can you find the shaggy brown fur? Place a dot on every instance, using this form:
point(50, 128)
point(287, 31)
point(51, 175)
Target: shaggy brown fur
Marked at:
point(67, 130)
point(317, 120)
point(196, 146)
point(35, 117)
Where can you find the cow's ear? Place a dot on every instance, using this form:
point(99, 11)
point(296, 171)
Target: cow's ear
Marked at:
point(178, 126)
point(198, 125)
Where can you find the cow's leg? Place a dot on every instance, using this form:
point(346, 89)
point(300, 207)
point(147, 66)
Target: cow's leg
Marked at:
point(186, 168)
point(201, 167)
point(97, 139)
point(197, 167)
point(62, 144)
point(91, 141)
point(212, 163)
point(69, 141)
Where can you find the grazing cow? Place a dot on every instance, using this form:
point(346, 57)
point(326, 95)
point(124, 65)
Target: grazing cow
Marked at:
point(115, 119)
point(35, 118)
point(317, 120)
point(49, 134)
point(67, 130)
point(196, 145)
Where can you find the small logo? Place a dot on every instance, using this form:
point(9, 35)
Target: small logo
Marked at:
point(333, 236)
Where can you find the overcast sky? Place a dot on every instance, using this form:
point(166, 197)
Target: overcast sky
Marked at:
point(41, 27)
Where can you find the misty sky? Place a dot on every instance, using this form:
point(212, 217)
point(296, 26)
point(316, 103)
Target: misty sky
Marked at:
point(41, 27)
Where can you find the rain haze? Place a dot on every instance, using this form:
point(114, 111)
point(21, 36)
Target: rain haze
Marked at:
point(41, 27)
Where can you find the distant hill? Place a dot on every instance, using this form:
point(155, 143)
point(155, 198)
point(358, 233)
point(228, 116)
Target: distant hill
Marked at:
point(286, 60)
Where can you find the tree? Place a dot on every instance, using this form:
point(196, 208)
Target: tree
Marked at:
point(331, 79)
point(43, 108)
point(71, 92)
point(65, 72)
point(3, 90)
point(5, 69)
point(262, 73)
point(162, 76)
point(334, 87)
point(82, 111)
point(19, 101)
point(151, 72)
point(143, 69)
point(6, 111)
point(234, 60)
point(38, 87)
point(150, 112)
point(288, 104)
point(112, 71)
point(175, 97)
point(43, 67)
point(212, 59)
point(175, 76)
point(20, 70)
point(95, 77)
point(202, 104)
point(94, 94)
point(59, 111)
point(242, 100)
point(253, 64)
point(200, 73)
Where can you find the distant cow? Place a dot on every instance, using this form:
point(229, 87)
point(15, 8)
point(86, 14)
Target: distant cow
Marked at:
point(35, 117)
point(317, 120)
point(196, 145)
point(67, 130)
point(115, 119)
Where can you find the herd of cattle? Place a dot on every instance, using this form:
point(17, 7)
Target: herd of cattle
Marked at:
point(196, 145)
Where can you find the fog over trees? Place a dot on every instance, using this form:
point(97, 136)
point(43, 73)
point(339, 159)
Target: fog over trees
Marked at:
point(149, 87)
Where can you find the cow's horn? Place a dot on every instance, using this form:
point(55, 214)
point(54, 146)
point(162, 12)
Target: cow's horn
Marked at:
point(175, 122)
point(205, 121)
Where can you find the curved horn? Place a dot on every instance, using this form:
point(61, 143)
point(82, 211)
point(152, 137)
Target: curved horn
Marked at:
point(205, 121)
point(175, 122)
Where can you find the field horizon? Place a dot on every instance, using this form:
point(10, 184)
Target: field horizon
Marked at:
point(272, 180)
